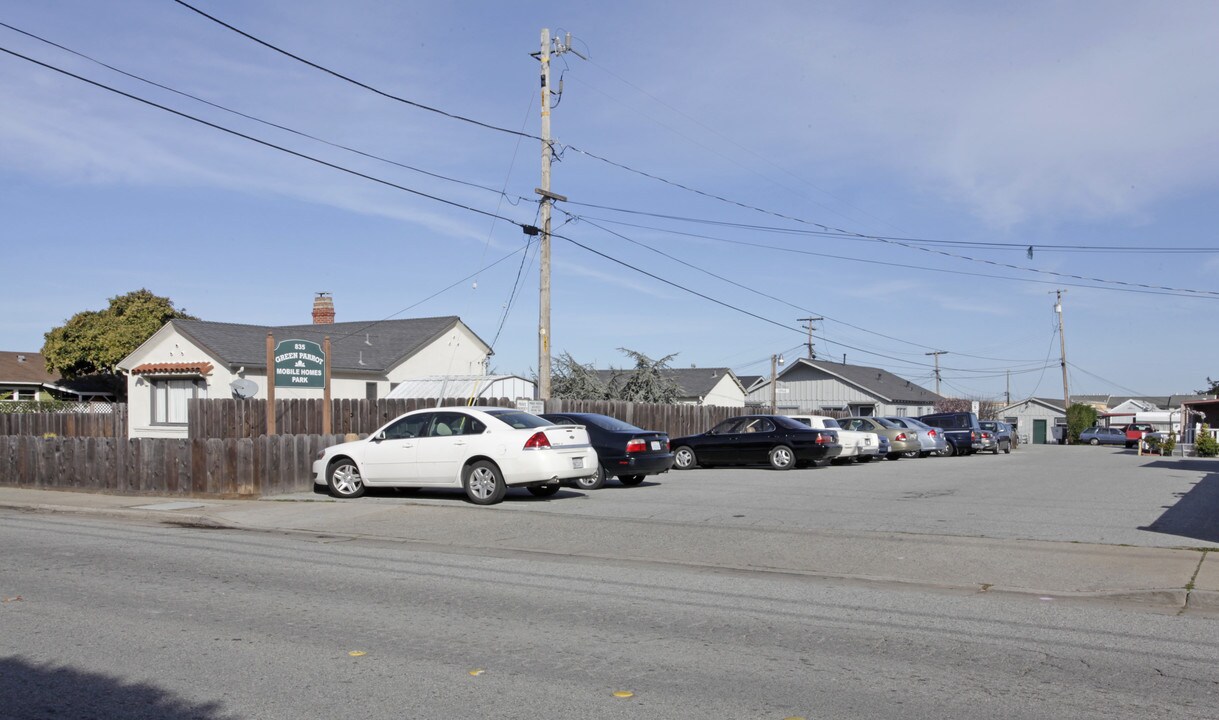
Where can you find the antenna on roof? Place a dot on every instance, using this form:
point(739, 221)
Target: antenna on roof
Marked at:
point(361, 357)
point(367, 341)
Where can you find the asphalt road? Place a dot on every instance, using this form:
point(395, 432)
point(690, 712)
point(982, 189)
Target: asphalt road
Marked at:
point(1041, 492)
point(121, 620)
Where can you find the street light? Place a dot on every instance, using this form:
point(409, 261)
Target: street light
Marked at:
point(775, 362)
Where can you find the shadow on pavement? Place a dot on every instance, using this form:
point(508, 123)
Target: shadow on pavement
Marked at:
point(43, 691)
point(1193, 515)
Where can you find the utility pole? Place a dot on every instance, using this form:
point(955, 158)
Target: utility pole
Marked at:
point(937, 355)
point(775, 362)
point(808, 323)
point(548, 198)
point(1062, 339)
point(1008, 393)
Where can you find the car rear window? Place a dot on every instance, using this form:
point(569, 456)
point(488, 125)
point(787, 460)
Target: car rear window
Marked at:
point(519, 419)
point(613, 424)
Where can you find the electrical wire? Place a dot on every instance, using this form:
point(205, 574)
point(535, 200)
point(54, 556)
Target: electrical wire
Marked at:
point(502, 193)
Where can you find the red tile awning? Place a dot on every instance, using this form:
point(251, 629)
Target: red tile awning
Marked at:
point(180, 368)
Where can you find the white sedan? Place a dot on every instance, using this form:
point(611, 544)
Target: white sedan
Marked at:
point(484, 450)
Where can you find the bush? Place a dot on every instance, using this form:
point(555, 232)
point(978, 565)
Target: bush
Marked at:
point(1205, 445)
point(1169, 444)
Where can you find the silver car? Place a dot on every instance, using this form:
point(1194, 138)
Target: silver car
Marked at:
point(930, 439)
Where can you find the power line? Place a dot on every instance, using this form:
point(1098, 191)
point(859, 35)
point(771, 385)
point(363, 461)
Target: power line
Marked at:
point(502, 193)
point(265, 143)
point(673, 183)
point(355, 82)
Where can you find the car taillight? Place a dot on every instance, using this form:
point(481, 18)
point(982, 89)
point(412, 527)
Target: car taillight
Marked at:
point(634, 446)
point(931, 433)
point(901, 437)
point(825, 439)
point(973, 435)
point(538, 441)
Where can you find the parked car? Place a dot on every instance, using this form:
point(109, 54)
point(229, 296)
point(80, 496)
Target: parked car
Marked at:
point(961, 430)
point(856, 446)
point(1103, 436)
point(930, 439)
point(624, 451)
point(756, 439)
point(484, 450)
point(901, 440)
point(1135, 432)
point(989, 444)
point(1004, 436)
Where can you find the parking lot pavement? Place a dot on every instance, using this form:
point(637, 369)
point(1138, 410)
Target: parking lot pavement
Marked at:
point(1053, 521)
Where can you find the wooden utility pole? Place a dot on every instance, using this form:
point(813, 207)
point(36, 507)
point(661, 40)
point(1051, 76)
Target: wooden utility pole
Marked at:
point(937, 355)
point(544, 344)
point(270, 384)
point(808, 323)
point(1062, 339)
point(544, 253)
point(326, 429)
point(775, 362)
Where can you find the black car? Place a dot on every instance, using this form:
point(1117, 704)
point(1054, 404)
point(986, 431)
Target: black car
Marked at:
point(754, 440)
point(625, 451)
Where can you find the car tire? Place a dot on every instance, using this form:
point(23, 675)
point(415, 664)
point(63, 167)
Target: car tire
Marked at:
point(1128, 445)
point(483, 483)
point(1007, 449)
point(948, 451)
point(630, 479)
point(592, 482)
point(782, 457)
point(343, 479)
point(1096, 441)
point(864, 458)
point(544, 490)
point(684, 458)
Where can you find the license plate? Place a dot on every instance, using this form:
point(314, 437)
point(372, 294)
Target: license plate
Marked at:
point(577, 463)
point(655, 444)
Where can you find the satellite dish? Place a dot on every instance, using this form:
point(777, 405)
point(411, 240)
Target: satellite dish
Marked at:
point(243, 388)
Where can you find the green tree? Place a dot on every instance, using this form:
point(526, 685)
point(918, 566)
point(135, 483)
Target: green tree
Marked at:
point(1205, 444)
point(1212, 389)
point(92, 342)
point(1080, 417)
point(572, 380)
point(648, 382)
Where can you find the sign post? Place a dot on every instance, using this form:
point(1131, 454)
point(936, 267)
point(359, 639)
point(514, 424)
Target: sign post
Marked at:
point(270, 384)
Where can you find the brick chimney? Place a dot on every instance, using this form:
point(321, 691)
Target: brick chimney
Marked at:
point(323, 309)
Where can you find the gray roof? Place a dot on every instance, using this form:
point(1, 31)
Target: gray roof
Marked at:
point(692, 382)
point(370, 346)
point(748, 381)
point(876, 381)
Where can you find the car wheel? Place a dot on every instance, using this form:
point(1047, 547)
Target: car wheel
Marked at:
point(344, 479)
point(592, 482)
point(948, 451)
point(1096, 441)
point(1007, 449)
point(483, 483)
point(544, 490)
point(864, 458)
point(683, 458)
point(630, 479)
point(1128, 445)
point(782, 457)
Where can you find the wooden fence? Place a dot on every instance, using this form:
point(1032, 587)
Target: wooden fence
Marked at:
point(235, 467)
point(112, 424)
point(227, 418)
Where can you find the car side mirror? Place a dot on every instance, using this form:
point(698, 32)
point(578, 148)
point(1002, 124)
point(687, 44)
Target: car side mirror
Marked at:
point(379, 437)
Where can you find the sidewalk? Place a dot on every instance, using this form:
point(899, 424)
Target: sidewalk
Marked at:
point(1164, 578)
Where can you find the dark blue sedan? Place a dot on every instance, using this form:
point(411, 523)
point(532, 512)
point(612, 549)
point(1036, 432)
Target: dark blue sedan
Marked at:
point(625, 451)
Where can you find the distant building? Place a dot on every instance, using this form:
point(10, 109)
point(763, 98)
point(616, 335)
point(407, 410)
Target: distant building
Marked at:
point(24, 376)
point(818, 387)
point(696, 386)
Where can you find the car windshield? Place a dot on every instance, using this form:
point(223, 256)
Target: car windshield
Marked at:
point(830, 423)
point(518, 419)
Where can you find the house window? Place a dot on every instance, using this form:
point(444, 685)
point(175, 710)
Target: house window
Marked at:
point(370, 391)
point(169, 396)
point(900, 411)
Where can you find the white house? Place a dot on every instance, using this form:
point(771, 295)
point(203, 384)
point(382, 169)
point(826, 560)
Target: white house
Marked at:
point(696, 386)
point(821, 387)
point(197, 359)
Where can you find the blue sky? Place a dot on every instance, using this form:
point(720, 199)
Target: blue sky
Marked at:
point(808, 129)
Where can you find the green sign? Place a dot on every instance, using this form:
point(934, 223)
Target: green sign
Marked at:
point(299, 364)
